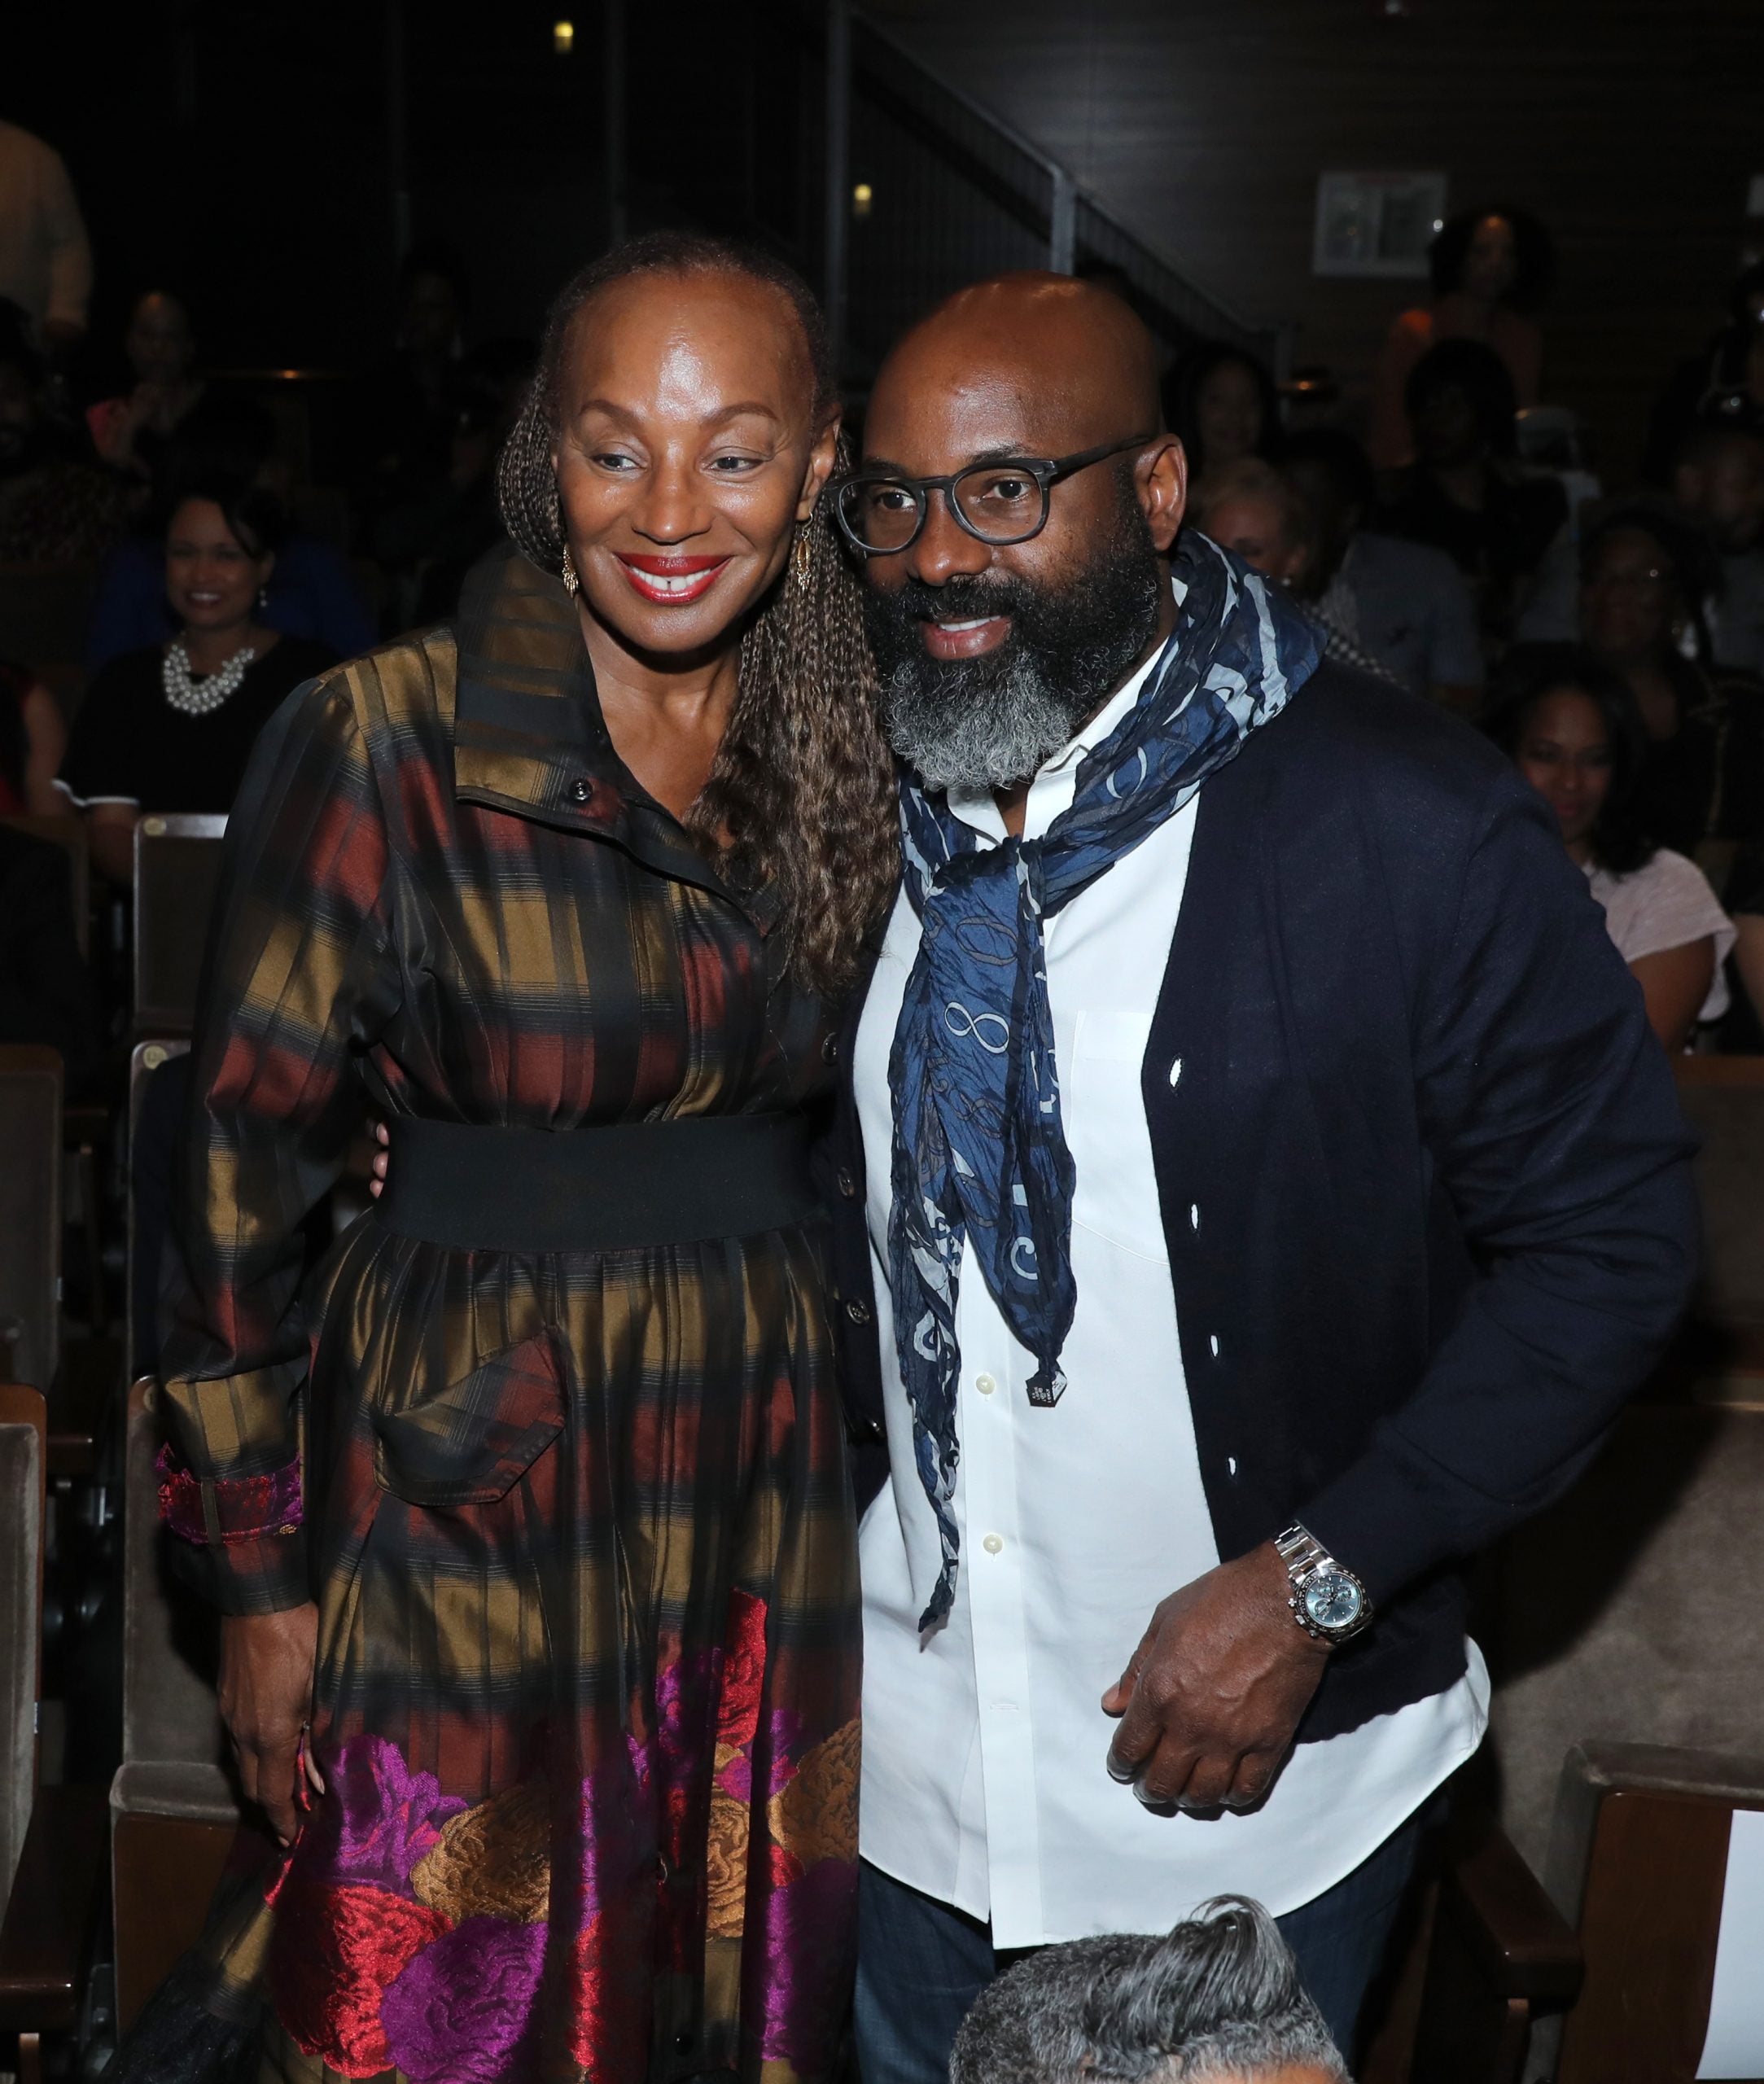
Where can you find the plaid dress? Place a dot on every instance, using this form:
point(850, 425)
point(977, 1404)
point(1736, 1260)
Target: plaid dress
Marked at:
point(578, 1524)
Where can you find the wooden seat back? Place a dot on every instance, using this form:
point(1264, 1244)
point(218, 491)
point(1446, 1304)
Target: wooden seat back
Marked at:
point(23, 1442)
point(1723, 1101)
point(1642, 1849)
point(177, 874)
point(30, 1214)
point(173, 1810)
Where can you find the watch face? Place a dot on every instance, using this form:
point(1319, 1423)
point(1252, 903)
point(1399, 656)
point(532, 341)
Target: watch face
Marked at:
point(1332, 1601)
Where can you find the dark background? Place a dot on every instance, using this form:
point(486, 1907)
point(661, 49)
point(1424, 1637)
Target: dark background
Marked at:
point(240, 152)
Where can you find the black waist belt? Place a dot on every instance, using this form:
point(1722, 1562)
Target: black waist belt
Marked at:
point(598, 1189)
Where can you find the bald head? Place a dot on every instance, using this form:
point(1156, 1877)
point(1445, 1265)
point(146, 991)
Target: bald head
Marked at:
point(1063, 363)
point(1015, 603)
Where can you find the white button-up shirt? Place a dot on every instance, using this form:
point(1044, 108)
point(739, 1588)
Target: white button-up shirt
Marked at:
point(983, 1779)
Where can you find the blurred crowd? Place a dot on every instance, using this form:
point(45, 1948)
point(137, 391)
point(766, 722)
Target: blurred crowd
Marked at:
point(1609, 637)
point(1449, 535)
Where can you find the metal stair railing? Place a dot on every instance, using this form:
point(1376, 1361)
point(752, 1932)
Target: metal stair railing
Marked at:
point(938, 191)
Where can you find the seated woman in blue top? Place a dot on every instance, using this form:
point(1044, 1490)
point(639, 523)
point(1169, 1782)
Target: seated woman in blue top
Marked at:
point(310, 592)
point(170, 726)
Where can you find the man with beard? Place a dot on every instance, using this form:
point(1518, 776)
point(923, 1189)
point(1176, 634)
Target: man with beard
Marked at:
point(1258, 1171)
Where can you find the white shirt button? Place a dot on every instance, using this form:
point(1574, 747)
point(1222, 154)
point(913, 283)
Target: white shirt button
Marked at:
point(993, 1544)
point(985, 1383)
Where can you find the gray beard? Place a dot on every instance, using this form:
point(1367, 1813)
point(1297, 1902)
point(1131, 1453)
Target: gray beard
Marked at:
point(978, 731)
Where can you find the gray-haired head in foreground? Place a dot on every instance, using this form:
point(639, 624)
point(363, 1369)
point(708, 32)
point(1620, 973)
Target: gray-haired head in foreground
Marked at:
point(1218, 1996)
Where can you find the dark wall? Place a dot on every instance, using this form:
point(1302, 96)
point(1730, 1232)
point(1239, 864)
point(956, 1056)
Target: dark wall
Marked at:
point(1630, 126)
point(234, 153)
point(240, 152)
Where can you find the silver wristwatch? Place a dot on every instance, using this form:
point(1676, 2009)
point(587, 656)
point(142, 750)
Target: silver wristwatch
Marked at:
point(1328, 1600)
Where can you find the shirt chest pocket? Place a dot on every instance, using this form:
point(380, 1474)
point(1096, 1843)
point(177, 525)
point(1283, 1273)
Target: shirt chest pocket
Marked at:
point(1116, 1191)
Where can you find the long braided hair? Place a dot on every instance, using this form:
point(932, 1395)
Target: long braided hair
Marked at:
point(800, 798)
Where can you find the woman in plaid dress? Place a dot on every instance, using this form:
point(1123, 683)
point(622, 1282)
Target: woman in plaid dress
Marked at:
point(528, 1514)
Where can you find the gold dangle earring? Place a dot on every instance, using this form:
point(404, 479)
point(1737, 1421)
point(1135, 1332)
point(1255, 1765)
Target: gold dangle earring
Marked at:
point(801, 556)
point(570, 582)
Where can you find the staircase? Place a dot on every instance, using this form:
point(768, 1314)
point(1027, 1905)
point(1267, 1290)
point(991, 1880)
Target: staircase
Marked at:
point(906, 189)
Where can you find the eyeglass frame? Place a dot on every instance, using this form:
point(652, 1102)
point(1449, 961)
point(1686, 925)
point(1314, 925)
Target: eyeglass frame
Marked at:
point(1047, 470)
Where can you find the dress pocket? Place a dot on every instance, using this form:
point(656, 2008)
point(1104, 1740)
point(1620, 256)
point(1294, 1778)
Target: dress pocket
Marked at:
point(468, 1443)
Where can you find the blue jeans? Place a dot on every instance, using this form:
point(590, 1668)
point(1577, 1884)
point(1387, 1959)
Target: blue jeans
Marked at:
point(921, 1963)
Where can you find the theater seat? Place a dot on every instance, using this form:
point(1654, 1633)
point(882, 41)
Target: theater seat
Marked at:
point(1721, 1353)
point(1629, 1612)
point(30, 1215)
point(51, 1838)
point(177, 872)
point(1640, 1854)
point(174, 1810)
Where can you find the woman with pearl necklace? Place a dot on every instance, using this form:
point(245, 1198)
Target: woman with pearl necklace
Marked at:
point(170, 729)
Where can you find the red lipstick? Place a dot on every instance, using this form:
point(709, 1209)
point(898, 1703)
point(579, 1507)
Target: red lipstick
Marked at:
point(670, 581)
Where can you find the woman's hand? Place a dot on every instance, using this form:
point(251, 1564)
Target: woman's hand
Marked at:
point(382, 1158)
point(266, 1695)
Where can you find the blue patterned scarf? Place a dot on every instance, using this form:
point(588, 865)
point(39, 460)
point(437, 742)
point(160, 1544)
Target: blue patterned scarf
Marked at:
point(979, 1147)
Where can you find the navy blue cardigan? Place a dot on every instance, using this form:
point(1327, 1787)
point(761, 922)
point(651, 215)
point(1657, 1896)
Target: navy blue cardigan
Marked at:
point(1446, 1221)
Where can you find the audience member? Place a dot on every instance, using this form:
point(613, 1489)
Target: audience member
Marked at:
point(32, 739)
point(46, 265)
point(1250, 507)
point(1727, 376)
point(130, 431)
point(1489, 270)
point(55, 504)
point(1572, 727)
point(170, 729)
point(1644, 575)
point(1717, 479)
point(1216, 2001)
point(1222, 404)
point(405, 416)
point(311, 591)
point(432, 543)
point(1465, 494)
point(1404, 604)
point(46, 993)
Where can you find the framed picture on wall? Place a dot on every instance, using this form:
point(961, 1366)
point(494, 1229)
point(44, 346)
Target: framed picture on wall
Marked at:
point(1377, 224)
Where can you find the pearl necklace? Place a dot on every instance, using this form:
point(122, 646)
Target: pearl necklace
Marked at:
point(193, 698)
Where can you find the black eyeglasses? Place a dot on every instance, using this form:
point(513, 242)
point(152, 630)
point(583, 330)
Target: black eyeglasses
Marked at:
point(999, 503)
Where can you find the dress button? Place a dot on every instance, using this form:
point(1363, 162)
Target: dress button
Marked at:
point(1194, 1216)
point(1213, 1342)
point(846, 1183)
point(857, 1311)
point(993, 1544)
point(682, 2044)
point(985, 1383)
point(829, 1049)
point(581, 790)
point(874, 1429)
point(1175, 1070)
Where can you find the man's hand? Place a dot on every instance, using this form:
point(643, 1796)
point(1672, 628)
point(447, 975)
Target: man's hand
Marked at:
point(1209, 1703)
point(266, 1694)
